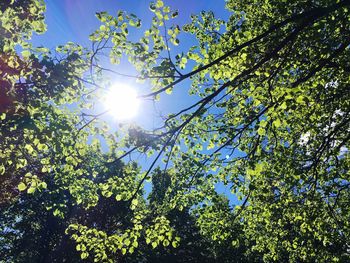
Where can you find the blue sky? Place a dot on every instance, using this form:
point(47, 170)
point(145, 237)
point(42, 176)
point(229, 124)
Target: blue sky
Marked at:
point(75, 20)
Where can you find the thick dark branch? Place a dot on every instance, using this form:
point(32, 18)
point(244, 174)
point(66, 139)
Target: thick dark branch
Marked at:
point(314, 13)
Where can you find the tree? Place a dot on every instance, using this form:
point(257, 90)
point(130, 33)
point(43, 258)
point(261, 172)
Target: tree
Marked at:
point(196, 242)
point(271, 122)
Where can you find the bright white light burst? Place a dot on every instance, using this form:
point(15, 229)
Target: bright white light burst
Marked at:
point(122, 101)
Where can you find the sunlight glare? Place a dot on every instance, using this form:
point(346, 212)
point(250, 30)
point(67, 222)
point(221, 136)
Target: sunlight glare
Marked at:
point(122, 101)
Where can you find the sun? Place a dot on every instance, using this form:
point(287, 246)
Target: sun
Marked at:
point(122, 102)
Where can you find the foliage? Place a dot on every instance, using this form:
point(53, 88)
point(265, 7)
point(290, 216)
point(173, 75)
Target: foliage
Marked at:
point(271, 122)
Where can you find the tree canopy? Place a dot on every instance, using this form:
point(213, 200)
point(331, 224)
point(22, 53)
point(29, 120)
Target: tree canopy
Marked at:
point(270, 121)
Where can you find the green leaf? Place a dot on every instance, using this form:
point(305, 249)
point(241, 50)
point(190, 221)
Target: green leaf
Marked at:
point(134, 202)
point(300, 99)
point(277, 123)
point(29, 148)
point(2, 169)
point(175, 244)
point(127, 242)
point(84, 255)
point(31, 190)
point(43, 185)
point(22, 187)
point(152, 7)
point(284, 105)
point(159, 4)
point(103, 28)
point(235, 243)
point(166, 242)
point(261, 131)
point(26, 53)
